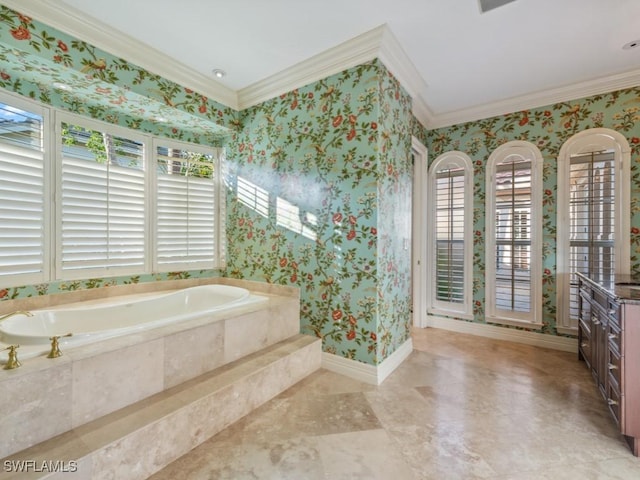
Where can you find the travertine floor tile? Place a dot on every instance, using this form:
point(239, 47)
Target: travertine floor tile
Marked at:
point(365, 455)
point(460, 408)
point(294, 459)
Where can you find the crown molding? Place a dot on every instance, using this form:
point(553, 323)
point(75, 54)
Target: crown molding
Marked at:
point(124, 46)
point(575, 91)
point(422, 112)
point(393, 56)
point(376, 43)
point(351, 53)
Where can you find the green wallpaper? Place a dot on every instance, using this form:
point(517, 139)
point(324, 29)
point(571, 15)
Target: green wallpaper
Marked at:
point(334, 157)
point(319, 179)
point(547, 128)
point(394, 215)
point(37, 60)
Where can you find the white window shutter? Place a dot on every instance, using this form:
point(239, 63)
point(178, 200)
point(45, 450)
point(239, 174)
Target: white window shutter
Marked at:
point(186, 203)
point(102, 204)
point(22, 194)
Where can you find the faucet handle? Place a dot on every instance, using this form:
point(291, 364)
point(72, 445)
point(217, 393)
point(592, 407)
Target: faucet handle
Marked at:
point(12, 361)
point(55, 346)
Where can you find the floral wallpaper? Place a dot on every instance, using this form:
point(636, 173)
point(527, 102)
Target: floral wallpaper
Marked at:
point(548, 128)
point(394, 215)
point(319, 179)
point(50, 66)
point(332, 162)
point(34, 56)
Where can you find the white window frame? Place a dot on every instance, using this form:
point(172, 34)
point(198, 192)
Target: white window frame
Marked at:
point(219, 200)
point(51, 229)
point(89, 123)
point(453, 159)
point(533, 318)
point(47, 224)
point(585, 142)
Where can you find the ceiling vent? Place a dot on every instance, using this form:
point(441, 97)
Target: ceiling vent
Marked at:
point(486, 5)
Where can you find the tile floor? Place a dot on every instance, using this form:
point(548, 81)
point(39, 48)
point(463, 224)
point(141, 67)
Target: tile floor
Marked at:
point(460, 407)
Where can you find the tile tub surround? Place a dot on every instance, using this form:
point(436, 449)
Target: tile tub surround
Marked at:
point(46, 397)
point(138, 440)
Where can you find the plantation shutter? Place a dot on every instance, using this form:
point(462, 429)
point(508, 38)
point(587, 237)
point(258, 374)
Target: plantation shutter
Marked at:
point(450, 249)
point(22, 194)
point(513, 236)
point(591, 220)
point(102, 203)
point(186, 209)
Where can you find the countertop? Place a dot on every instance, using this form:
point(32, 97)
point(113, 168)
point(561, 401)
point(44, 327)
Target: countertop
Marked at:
point(625, 288)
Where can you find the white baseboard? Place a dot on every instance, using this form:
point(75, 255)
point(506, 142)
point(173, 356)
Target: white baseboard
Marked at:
point(554, 342)
point(363, 372)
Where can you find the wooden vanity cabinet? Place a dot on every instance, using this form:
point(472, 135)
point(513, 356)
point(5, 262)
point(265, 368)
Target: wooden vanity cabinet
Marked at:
point(609, 344)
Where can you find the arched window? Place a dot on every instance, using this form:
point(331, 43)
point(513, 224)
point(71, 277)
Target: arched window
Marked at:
point(450, 237)
point(513, 282)
point(593, 215)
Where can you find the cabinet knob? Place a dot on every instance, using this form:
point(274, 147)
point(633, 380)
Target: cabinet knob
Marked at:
point(611, 401)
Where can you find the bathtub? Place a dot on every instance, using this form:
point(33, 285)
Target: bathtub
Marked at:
point(118, 316)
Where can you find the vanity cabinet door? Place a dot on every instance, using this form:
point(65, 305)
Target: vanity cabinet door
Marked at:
point(609, 342)
point(600, 348)
point(585, 351)
point(630, 375)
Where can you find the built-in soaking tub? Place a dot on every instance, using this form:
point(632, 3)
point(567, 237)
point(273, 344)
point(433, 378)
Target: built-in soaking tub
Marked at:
point(118, 316)
point(133, 342)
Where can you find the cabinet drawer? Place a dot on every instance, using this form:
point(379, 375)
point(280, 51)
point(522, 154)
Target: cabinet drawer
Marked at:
point(584, 288)
point(614, 365)
point(613, 311)
point(614, 337)
point(584, 326)
point(584, 350)
point(601, 299)
point(614, 401)
point(584, 341)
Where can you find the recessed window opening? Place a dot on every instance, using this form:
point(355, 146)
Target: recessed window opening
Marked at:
point(449, 240)
point(591, 220)
point(593, 215)
point(23, 216)
point(450, 235)
point(80, 198)
point(514, 235)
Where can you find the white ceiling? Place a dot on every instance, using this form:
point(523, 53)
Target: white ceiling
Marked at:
point(467, 60)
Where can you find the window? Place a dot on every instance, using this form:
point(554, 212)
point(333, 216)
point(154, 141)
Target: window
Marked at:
point(24, 255)
point(186, 204)
point(450, 240)
point(514, 235)
point(81, 199)
point(593, 223)
point(102, 207)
